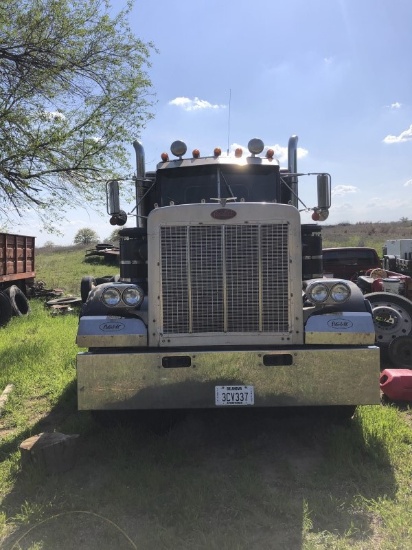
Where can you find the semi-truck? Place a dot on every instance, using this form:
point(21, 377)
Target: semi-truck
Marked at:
point(221, 301)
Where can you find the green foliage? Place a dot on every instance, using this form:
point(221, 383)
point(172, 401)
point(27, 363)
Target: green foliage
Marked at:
point(73, 91)
point(64, 268)
point(114, 236)
point(262, 479)
point(370, 234)
point(86, 236)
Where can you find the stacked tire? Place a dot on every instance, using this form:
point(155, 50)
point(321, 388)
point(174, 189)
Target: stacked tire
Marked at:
point(12, 302)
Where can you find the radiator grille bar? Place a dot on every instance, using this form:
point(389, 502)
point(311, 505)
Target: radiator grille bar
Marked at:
point(228, 278)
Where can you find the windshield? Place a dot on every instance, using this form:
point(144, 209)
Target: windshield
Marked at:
point(251, 183)
point(349, 257)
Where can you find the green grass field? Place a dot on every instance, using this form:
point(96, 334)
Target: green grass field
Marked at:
point(214, 480)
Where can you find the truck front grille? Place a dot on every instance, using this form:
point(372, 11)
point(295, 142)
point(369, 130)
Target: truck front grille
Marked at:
point(230, 278)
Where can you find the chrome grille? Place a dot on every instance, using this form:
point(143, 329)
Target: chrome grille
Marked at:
point(225, 279)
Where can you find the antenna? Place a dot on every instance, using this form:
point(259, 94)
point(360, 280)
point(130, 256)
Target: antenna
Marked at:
point(228, 122)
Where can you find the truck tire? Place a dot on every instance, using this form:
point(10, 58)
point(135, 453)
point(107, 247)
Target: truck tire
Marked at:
point(86, 284)
point(392, 316)
point(19, 303)
point(6, 312)
point(400, 352)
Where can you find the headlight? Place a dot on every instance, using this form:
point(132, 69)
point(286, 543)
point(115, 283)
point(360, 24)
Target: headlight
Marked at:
point(111, 297)
point(340, 292)
point(133, 296)
point(317, 293)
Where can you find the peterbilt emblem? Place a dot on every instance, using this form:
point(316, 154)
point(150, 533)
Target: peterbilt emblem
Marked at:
point(340, 324)
point(111, 327)
point(223, 214)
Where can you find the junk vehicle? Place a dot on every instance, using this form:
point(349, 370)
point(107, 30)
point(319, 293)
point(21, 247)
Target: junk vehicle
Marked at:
point(388, 292)
point(349, 262)
point(220, 300)
point(16, 274)
point(397, 256)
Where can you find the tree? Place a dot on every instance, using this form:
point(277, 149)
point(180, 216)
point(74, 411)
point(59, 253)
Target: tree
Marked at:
point(114, 236)
point(86, 236)
point(73, 93)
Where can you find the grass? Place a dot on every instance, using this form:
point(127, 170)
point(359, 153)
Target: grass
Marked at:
point(64, 267)
point(216, 479)
point(369, 234)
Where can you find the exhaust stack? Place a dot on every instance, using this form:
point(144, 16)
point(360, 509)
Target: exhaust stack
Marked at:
point(139, 181)
point(293, 168)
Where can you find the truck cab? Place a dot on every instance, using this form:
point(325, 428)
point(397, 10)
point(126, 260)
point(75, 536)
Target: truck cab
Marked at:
point(221, 300)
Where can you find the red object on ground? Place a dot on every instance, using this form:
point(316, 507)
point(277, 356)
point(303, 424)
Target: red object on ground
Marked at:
point(397, 384)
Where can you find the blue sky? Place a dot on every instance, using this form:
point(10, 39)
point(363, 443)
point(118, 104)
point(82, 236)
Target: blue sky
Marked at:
point(335, 72)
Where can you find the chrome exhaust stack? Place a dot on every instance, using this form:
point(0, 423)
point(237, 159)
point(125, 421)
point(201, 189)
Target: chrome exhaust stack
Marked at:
point(293, 168)
point(141, 215)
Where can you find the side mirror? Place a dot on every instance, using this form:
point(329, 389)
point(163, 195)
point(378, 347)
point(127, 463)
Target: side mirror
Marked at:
point(324, 193)
point(112, 197)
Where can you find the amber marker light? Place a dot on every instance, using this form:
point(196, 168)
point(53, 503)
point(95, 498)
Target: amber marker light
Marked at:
point(270, 154)
point(238, 152)
point(196, 153)
point(164, 157)
point(217, 151)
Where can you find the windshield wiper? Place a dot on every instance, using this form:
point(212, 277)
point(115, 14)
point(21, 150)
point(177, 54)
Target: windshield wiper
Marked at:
point(228, 188)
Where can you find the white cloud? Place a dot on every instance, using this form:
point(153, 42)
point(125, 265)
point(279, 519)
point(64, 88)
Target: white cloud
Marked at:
point(194, 104)
point(396, 105)
point(281, 153)
point(408, 183)
point(406, 135)
point(341, 190)
point(385, 203)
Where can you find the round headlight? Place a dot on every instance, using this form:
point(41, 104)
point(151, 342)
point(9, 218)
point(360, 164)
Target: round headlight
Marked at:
point(318, 293)
point(340, 292)
point(133, 296)
point(111, 297)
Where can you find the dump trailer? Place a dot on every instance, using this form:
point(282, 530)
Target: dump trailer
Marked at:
point(221, 301)
point(16, 261)
point(16, 274)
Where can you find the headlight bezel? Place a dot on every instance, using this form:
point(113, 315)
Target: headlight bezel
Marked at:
point(344, 287)
point(139, 299)
point(330, 288)
point(121, 291)
point(314, 295)
point(114, 292)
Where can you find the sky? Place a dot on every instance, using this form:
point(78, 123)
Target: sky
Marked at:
point(336, 73)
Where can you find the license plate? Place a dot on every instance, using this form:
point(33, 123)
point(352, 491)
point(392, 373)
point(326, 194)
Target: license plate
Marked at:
point(234, 395)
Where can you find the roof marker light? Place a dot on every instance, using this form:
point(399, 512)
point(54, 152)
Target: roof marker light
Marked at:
point(196, 153)
point(164, 157)
point(178, 148)
point(255, 146)
point(270, 153)
point(238, 152)
point(217, 152)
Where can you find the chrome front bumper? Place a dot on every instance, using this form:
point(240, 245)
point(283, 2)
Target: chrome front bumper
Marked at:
point(187, 379)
